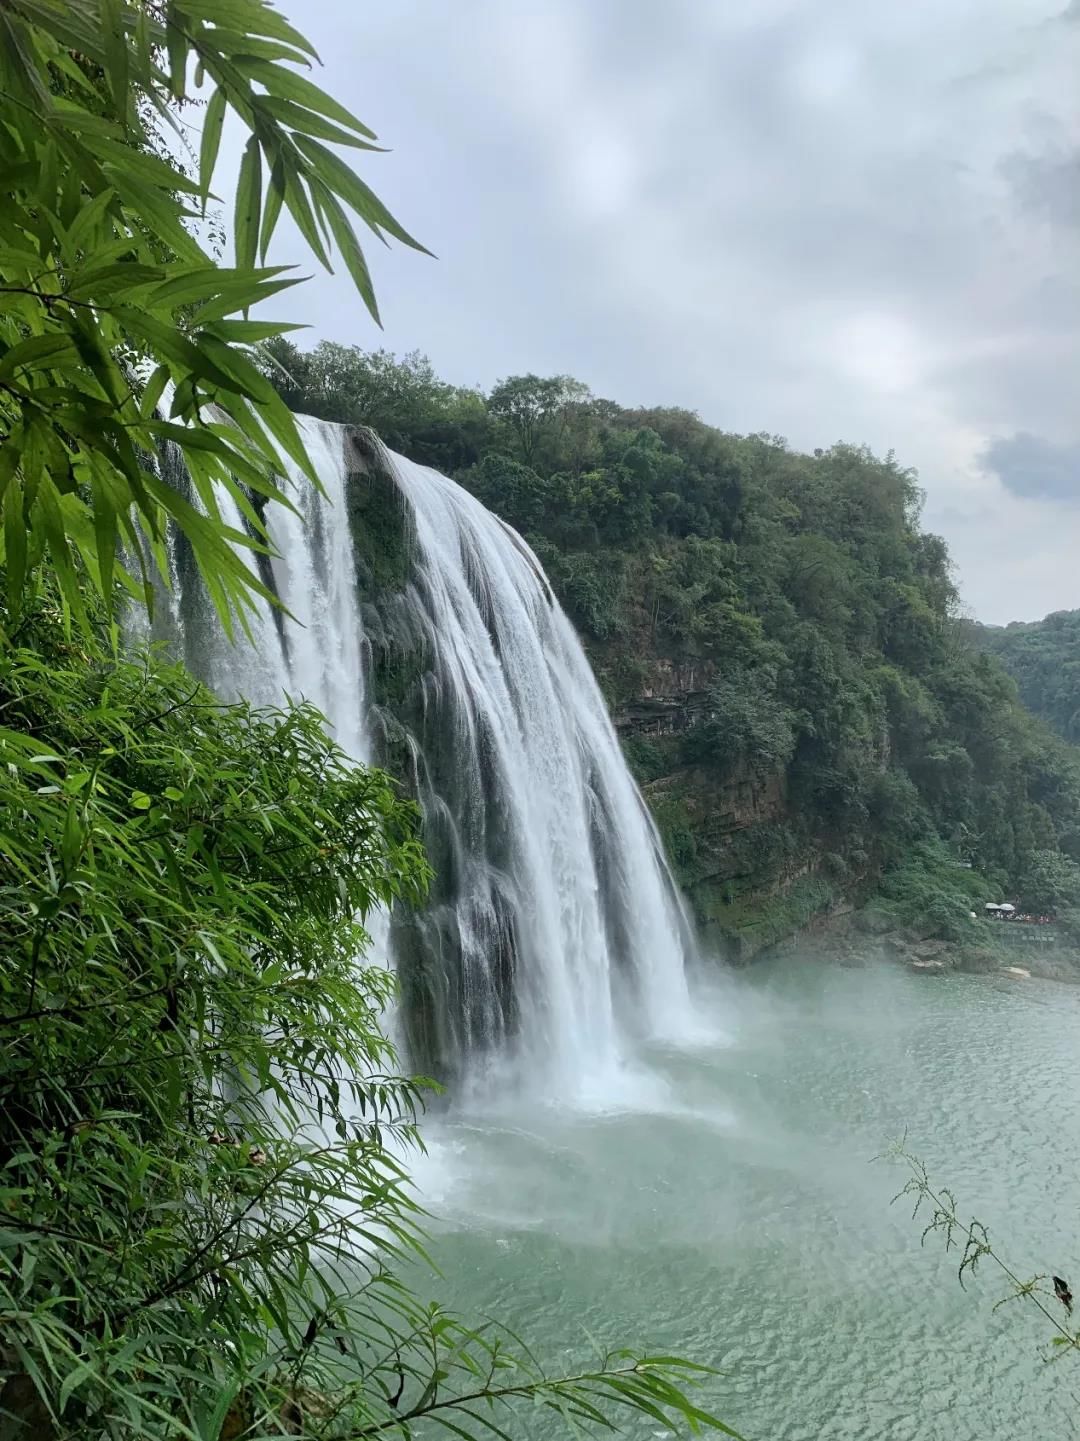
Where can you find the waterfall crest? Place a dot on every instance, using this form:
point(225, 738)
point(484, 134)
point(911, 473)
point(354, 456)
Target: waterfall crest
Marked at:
point(554, 929)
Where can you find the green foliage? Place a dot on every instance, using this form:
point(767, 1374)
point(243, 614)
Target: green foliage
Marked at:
point(896, 814)
point(1051, 882)
point(746, 727)
point(402, 400)
point(112, 308)
point(538, 412)
point(182, 902)
point(512, 490)
point(589, 584)
point(648, 759)
point(202, 1193)
point(930, 890)
point(1043, 657)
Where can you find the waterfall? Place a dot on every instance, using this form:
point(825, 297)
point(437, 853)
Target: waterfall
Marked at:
point(425, 630)
point(554, 925)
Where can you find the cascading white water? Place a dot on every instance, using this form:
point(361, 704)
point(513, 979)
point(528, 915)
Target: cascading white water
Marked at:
point(312, 649)
point(552, 851)
point(554, 927)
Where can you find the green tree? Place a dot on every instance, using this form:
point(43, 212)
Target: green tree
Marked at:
point(1042, 657)
point(512, 489)
point(402, 400)
point(745, 727)
point(536, 410)
point(1051, 882)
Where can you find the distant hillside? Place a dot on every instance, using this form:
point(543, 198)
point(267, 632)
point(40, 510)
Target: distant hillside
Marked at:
point(1043, 657)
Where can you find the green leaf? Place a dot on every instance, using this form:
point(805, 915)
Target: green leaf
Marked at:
point(248, 332)
point(349, 247)
point(116, 52)
point(105, 526)
point(290, 86)
point(253, 19)
point(155, 389)
point(275, 194)
point(213, 119)
point(19, 61)
point(218, 309)
point(15, 547)
point(248, 204)
point(50, 510)
point(177, 46)
point(83, 227)
point(36, 349)
point(140, 801)
point(202, 283)
point(308, 122)
point(299, 208)
point(129, 168)
point(333, 171)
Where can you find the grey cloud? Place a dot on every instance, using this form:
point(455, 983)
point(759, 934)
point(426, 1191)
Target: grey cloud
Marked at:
point(1031, 466)
point(828, 221)
point(1047, 185)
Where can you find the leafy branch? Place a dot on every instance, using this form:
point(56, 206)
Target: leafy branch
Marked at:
point(972, 1238)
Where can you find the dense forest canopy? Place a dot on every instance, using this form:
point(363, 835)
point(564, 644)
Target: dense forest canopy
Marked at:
point(796, 615)
point(1043, 657)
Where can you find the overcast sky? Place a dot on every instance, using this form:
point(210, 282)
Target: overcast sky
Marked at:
point(828, 219)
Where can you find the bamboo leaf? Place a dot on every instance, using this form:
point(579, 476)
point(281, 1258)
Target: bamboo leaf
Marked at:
point(213, 120)
point(350, 251)
point(309, 122)
point(15, 546)
point(333, 171)
point(274, 196)
point(287, 85)
point(253, 19)
point(105, 527)
point(248, 203)
point(84, 226)
point(299, 207)
point(177, 47)
point(116, 53)
point(36, 349)
point(249, 332)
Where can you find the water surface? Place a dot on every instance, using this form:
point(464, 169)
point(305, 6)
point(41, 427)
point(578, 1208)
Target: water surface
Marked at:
point(721, 1200)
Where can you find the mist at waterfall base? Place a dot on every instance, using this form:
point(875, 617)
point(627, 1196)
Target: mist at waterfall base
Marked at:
point(628, 1157)
point(731, 1209)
